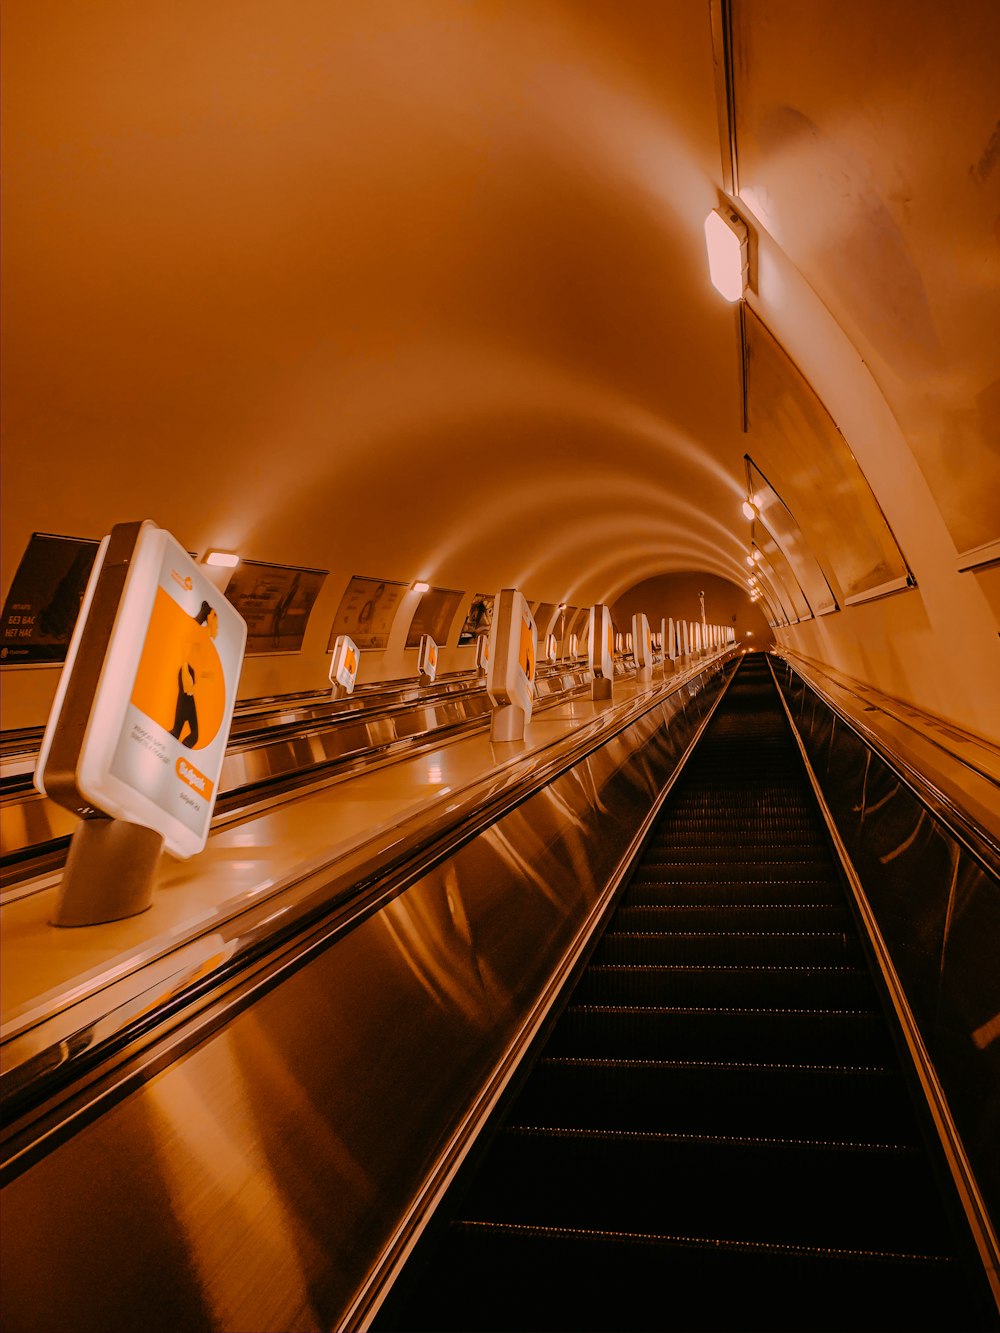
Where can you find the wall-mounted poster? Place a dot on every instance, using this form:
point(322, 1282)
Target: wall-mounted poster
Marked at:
point(366, 612)
point(44, 599)
point(275, 601)
point(434, 614)
point(478, 618)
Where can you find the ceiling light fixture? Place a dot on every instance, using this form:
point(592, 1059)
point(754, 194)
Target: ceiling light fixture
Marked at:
point(226, 559)
point(726, 237)
point(749, 510)
point(421, 587)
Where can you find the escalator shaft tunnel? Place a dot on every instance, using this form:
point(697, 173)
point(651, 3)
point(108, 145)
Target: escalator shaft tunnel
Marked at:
point(717, 1132)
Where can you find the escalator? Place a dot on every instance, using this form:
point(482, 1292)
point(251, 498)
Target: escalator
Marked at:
point(718, 1132)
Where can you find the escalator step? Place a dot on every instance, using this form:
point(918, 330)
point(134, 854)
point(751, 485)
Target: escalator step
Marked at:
point(741, 917)
point(759, 1035)
point(800, 987)
point(728, 948)
point(776, 1192)
point(657, 891)
point(759, 872)
point(809, 1101)
point(513, 1279)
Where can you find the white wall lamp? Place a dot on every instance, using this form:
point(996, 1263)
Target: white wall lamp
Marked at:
point(420, 587)
point(750, 510)
point(222, 559)
point(727, 238)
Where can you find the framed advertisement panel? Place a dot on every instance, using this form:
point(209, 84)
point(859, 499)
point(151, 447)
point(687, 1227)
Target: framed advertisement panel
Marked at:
point(433, 616)
point(478, 618)
point(366, 612)
point(44, 600)
point(275, 601)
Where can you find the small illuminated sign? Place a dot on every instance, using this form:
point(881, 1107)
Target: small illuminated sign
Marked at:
point(141, 718)
point(642, 642)
point(344, 663)
point(601, 650)
point(427, 658)
point(510, 673)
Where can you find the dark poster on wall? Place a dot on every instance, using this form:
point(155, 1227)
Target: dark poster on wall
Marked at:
point(275, 601)
point(478, 618)
point(366, 612)
point(44, 599)
point(433, 616)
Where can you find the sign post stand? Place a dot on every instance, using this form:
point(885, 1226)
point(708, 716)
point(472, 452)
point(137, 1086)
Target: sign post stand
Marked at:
point(601, 652)
point(109, 872)
point(642, 648)
point(510, 672)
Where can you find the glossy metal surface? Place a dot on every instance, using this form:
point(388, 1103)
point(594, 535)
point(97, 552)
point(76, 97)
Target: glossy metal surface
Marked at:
point(933, 883)
point(259, 1165)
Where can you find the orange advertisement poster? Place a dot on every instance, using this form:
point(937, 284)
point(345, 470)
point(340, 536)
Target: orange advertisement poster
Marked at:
point(526, 652)
point(180, 684)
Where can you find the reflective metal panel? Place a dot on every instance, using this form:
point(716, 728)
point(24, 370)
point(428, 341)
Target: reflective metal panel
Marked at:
point(264, 1168)
point(937, 903)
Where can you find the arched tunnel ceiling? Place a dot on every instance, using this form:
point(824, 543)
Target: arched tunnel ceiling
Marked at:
point(419, 289)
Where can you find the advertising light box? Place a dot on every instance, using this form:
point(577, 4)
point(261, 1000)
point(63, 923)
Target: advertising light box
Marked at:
point(601, 646)
point(483, 652)
point(345, 662)
point(141, 719)
point(642, 646)
point(427, 658)
point(510, 674)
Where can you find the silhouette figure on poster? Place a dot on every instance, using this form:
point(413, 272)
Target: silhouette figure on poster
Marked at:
point(195, 659)
point(282, 609)
point(367, 613)
point(58, 617)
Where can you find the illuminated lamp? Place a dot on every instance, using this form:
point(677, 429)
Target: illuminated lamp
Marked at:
point(420, 587)
point(726, 237)
point(749, 510)
point(750, 561)
point(224, 559)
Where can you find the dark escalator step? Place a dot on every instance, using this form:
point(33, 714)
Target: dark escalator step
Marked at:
point(732, 872)
point(751, 843)
point(807, 1101)
point(729, 948)
point(769, 986)
point(779, 1191)
point(713, 854)
point(741, 917)
point(658, 891)
point(757, 1035)
point(510, 1279)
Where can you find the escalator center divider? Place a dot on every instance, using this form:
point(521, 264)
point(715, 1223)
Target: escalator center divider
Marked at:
point(716, 1131)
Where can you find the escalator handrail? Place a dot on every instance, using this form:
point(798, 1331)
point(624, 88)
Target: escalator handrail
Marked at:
point(974, 836)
